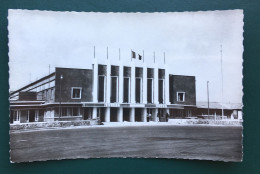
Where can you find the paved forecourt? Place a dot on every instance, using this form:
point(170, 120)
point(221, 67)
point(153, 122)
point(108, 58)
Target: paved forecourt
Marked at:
point(162, 141)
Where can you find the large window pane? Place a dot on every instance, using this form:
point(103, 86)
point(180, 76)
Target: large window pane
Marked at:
point(150, 90)
point(161, 91)
point(101, 85)
point(138, 90)
point(126, 90)
point(114, 85)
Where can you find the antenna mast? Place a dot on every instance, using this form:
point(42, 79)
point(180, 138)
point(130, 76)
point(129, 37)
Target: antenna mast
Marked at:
point(164, 56)
point(222, 79)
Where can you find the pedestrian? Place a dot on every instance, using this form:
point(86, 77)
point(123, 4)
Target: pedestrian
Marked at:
point(167, 117)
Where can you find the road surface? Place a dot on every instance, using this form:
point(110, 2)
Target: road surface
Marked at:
point(188, 142)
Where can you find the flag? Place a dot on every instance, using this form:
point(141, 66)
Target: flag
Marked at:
point(140, 57)
point(133, 54)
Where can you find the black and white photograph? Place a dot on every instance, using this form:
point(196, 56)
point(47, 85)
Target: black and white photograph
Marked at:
point(125, 85)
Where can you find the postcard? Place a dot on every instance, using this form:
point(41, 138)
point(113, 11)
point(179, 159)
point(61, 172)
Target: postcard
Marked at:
point(139, 85)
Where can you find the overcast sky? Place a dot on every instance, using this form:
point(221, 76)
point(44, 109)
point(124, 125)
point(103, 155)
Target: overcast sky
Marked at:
point(191, 42)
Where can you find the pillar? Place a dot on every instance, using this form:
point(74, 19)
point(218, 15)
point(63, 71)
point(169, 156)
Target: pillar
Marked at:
point(95, 81)
point(107, 114)
point(89, 113)
point(144, 115)
point(120, 114)
point(154, 114)
point(132, 115)
point(167, 110)
point(145, 84)
point(94, 113)
point(108, 83)
point(132, 94)
point(156, 85)
point(121, 83)
point(167, 84)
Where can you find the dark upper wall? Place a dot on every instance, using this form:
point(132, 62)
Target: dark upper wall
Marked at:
point(27, 96)
point(185, 84)
point(73, 78)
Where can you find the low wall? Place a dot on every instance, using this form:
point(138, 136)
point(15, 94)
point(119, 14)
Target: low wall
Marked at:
point(206, 122)
point(53, 124)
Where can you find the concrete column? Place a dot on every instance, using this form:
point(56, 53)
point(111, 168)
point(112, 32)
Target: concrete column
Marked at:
point(108, 83)
point(132, 94)
point(144, 115)
point(120, 114)
point(89, 113)
point(167, 110)
point(94, 113)
point(121, 83)
point(107, 114)
point(144, 84)
point(95, 81)
point(155, 92)
point(132, 114)
point(154, 114)
point(166, 88)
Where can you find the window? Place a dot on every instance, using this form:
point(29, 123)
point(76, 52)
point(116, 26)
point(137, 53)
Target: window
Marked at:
point(36, 118)
point(149, 90)
point(28, 116)
point(52, 94)
point(76, 93)
point(114, 89)
point(75, 111)
point(161, 91)
point(126, 89)
point(16, 116)
point(101, 88)
point(63, 111)
point(138, 90)
point(180, 96)
point(69, 113)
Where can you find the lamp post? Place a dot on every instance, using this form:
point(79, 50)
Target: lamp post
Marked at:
point(61, 77)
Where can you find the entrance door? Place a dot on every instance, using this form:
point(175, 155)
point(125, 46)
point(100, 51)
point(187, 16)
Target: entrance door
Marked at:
point(31, 115)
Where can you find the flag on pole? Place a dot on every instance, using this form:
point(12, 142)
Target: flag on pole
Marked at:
point(133, 55)
point(140, 57)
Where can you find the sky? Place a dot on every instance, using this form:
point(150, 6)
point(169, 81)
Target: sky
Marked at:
point(191, 42)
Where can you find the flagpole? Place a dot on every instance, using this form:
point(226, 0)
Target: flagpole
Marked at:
point(154, 57)
point(119, 54)
point(143, 55)
point(164, 56)
point(107, 53)
point(131, 55)
point(222, 79)
point(94, 52)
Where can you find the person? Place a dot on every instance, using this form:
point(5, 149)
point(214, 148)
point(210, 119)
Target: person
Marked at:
point(167, 116)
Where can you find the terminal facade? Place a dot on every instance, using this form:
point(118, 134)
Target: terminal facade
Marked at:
point(110, 92)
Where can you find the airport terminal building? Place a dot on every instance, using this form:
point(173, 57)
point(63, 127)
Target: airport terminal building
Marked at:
point(110, 92)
